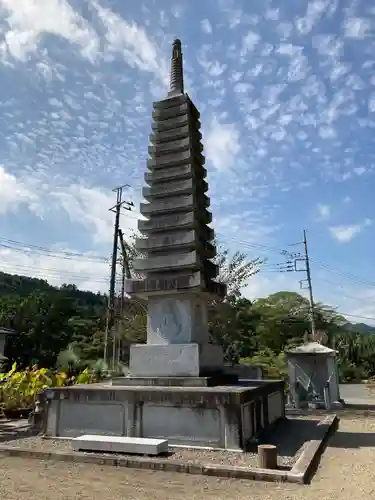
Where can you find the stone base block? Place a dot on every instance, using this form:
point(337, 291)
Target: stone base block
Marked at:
point(175, 360)
point(222, 417)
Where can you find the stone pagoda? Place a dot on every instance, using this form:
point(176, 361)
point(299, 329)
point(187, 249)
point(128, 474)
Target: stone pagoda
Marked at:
point(178, 388)
point(177, 244)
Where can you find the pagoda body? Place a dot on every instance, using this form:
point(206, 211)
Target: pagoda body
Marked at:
point(176, 246)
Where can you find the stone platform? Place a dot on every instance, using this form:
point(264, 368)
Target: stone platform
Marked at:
point(221, 417)
point(209, 381)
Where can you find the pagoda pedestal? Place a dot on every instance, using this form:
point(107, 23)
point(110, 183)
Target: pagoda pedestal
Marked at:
point(175, 360)
point(177, 339)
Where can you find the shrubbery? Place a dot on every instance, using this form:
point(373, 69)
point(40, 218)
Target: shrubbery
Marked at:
point(18, 389)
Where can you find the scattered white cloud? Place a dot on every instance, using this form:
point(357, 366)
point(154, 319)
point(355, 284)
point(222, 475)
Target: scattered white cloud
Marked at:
point(31, 20)
point(222, 144)
point(133, 43)
point(344, 234)
point(263, 284)
point(206, 26)
point(356, 27)
point(87, 208)
point(14, 193)
point(327, 132)
point(88, 271)
point(371, 103)
point(249, 42)
point(359, 170)
point(324, 211)
point(362, 310)
point(90, 207)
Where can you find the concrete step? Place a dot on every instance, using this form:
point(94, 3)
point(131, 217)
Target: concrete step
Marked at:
point(120, 444)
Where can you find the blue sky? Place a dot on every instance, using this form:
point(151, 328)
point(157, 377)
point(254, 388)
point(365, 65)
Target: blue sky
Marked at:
point(286, 92)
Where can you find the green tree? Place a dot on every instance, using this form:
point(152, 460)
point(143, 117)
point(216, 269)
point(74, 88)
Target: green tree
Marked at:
point(284, 319)
point(47, 319)
point(232, 325)
point(235, 269)
point(42, 323)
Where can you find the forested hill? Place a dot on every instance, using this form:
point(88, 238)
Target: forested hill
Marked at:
point(22, 286)
point(361, 328)
point(48, 319)
point(13, 284)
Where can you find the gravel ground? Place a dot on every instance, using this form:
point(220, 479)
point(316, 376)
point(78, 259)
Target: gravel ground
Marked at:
point(181, 455)
point(290, 437)
point(346, 473)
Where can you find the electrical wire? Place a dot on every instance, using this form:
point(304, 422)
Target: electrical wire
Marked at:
point(269, 268)
point(47, 252)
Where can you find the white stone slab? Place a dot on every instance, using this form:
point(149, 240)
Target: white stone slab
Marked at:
point(120, 444)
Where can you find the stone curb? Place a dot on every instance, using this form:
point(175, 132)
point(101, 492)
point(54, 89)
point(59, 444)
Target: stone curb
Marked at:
point(298, 474)
point(143, 463)
point(302, 470)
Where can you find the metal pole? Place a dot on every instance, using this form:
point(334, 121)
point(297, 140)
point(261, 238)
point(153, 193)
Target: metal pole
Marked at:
point(308, 274)
point(110, 312)
point(126, 274)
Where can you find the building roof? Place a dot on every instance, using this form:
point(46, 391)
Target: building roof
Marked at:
point(311, 348)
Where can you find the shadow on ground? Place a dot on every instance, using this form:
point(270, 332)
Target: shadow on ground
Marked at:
point(11, 430)
point(353, 440)
point(290, 434)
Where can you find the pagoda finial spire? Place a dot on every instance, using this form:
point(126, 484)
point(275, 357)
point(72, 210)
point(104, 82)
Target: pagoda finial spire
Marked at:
point(176, 85)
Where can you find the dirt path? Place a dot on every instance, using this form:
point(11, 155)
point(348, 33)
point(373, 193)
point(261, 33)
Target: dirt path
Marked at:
point(357, 394)
point(347, 472)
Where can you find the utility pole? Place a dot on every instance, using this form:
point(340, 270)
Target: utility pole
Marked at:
point(111, 297)
point(308, 276)
point(306, 260)
point(126, 274)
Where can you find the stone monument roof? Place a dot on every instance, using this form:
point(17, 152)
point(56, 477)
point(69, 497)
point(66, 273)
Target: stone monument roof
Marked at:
point(311, 348)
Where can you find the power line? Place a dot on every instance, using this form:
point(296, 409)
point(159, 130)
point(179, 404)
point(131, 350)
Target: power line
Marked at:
point(54, 273)
point(355, 316)
point(267, 267)
point(352, 297)
point(348, 276)
point(46, 252)
point(268, 249)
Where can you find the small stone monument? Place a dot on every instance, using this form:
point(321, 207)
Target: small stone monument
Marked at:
point(177, 248)
point(313, 377)
point(4, 334)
